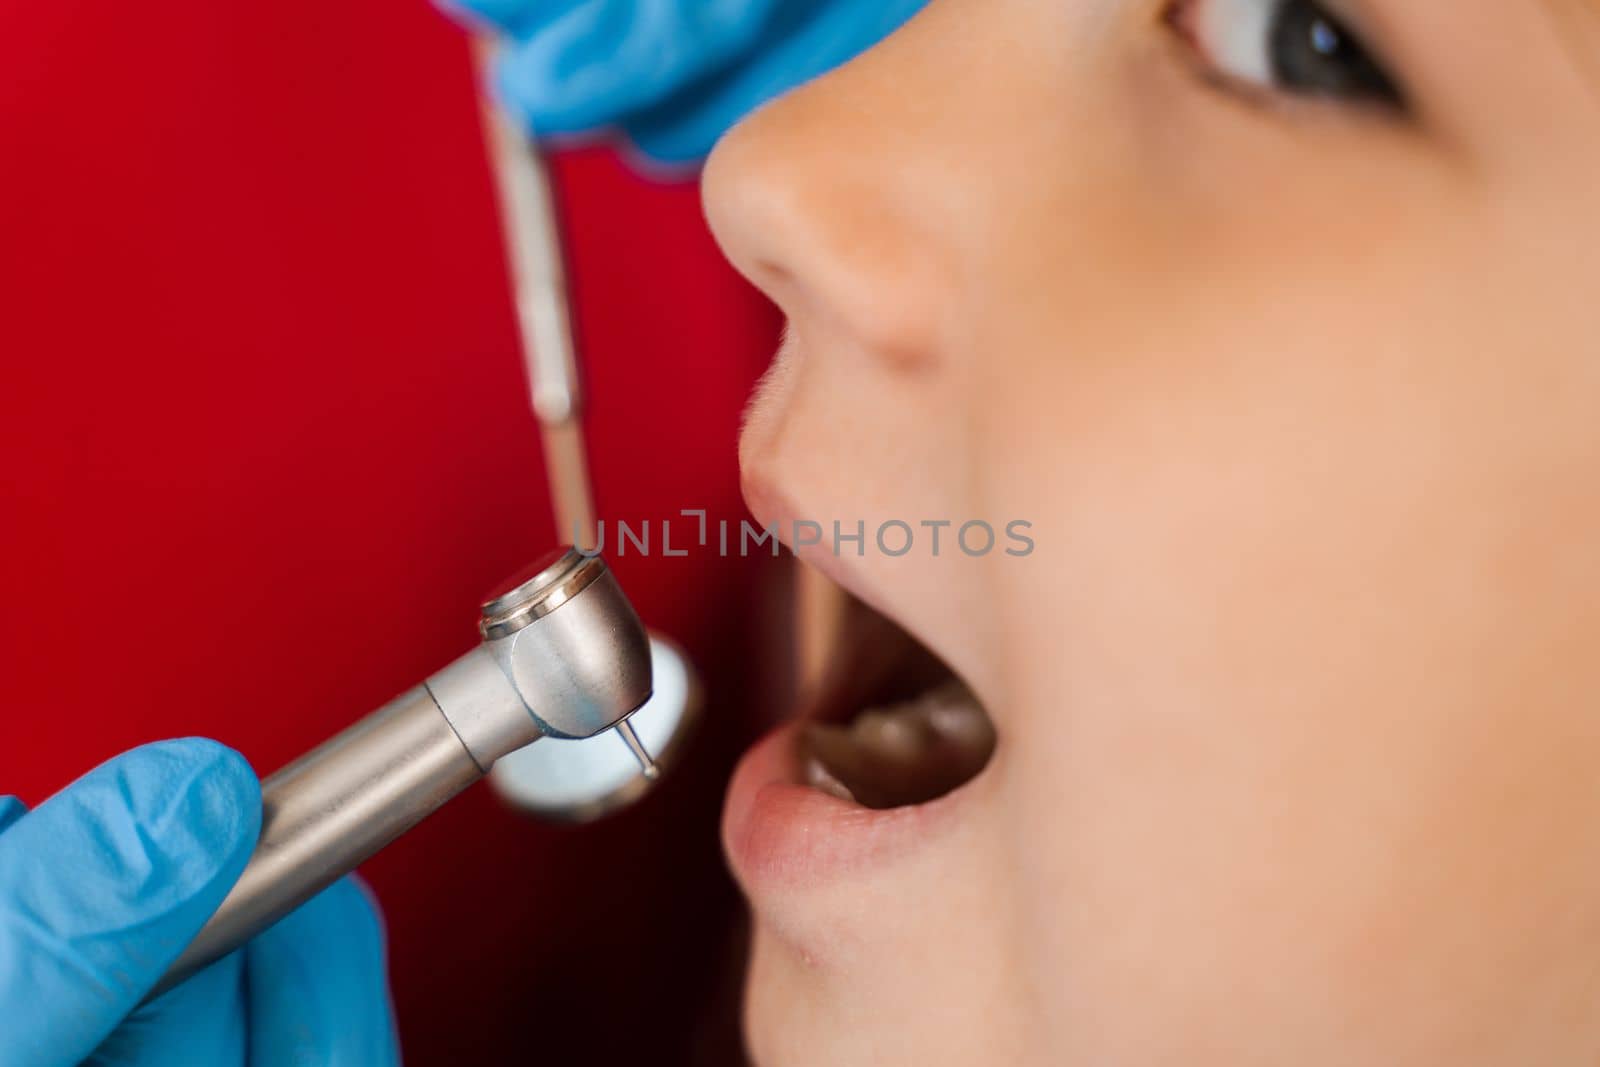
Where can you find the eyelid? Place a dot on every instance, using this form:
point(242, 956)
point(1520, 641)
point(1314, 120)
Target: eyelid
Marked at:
point(1358, 17)
point(1186, 19)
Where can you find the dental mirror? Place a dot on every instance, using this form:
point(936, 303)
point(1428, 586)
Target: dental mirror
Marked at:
point(577, 781)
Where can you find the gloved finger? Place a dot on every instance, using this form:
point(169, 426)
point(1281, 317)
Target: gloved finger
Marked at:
point(597, 62)
point(103, 885)
point(805, 40)
point(316, 988)
point(200, 1021)
point(11, 809)
point(509, 16)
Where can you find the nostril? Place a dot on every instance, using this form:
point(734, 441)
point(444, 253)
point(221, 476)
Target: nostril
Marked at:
point(772, 275)
point(743, 193)
point(823, 237)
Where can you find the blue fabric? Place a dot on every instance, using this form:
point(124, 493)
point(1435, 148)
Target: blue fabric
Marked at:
point(105, 883)
point(672, 75)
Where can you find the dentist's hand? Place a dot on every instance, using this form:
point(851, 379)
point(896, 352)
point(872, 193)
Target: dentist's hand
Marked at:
point(105, 883)
point(671, 74)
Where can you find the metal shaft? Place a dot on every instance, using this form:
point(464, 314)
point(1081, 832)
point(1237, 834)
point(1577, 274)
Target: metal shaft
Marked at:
point(563, 656)
point(333, 808)
point(536, 266)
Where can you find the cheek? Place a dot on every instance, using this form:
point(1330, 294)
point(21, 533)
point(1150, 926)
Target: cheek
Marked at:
point(1304, 656)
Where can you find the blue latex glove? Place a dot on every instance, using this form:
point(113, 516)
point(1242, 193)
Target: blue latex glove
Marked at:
point(104, 884)
point(671, 74)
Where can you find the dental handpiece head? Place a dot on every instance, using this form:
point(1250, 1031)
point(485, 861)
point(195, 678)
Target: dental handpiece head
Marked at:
point(563, 656)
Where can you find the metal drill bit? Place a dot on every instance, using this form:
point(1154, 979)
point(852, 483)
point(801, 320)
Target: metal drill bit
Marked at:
point(640, 753)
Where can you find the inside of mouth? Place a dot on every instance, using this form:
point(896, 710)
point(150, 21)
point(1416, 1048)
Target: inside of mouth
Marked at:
point(891, 725)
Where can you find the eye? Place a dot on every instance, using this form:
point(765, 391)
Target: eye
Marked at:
point(1292, 46)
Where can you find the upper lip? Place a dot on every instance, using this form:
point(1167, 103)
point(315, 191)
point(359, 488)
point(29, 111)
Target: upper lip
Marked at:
point(774, 510)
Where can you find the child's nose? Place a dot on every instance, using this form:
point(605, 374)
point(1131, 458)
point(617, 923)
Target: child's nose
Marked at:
point(825, 200)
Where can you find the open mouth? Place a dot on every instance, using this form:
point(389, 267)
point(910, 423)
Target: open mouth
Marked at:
point(885, 758)
point(890, 725)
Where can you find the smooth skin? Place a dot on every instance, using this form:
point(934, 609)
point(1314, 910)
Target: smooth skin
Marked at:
point(1299, 695)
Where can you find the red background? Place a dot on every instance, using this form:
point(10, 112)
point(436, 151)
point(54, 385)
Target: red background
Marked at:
point(265, 442)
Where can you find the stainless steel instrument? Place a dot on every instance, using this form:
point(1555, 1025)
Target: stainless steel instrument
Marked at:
point(563, 656)
point(567, 781)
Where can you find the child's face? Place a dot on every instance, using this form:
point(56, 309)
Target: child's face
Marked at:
point(1298, 695)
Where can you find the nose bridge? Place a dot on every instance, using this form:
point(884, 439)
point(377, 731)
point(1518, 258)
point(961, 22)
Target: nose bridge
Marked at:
point(827, 198)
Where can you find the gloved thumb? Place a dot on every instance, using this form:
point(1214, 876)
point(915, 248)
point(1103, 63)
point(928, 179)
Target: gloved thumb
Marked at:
point(105, 883)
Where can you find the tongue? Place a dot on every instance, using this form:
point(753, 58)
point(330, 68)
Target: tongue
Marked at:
point(908, 753)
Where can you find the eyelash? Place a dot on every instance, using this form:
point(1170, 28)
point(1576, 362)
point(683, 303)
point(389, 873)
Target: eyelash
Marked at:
point(1285, 47)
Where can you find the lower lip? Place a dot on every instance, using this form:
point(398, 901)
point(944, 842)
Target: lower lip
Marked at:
point(781, 833)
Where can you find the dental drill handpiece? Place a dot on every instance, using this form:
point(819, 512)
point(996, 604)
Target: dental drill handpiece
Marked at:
point(563, 656)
